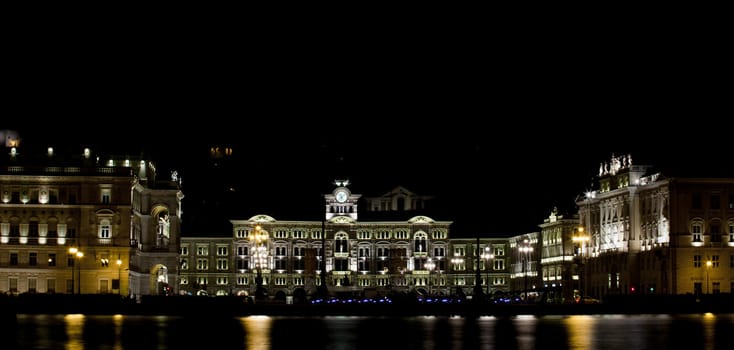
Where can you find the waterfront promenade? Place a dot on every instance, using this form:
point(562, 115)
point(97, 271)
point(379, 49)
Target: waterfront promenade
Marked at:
point(237, 306)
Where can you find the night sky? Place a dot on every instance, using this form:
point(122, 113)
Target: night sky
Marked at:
point(501, 133)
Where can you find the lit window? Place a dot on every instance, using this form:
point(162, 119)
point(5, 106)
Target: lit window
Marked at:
point(222, 264)
point(106, 195)
point(222, 251)
point(105, 229)
point(697, 230)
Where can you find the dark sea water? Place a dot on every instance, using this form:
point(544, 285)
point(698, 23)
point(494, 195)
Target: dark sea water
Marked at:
point(628, 332)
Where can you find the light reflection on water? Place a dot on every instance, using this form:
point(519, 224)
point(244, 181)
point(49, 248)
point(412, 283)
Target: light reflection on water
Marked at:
point(117, 332)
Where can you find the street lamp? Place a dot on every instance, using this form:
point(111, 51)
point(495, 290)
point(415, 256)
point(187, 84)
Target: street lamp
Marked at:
point(708, 266)
point(487, 256)
point(429, 266)
point(526, 249)
point(72, 253)
point(259, 239)
point(581, 239)
point(76, 253)
point(119, 275)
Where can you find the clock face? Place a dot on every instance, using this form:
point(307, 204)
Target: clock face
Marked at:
point(341, 196)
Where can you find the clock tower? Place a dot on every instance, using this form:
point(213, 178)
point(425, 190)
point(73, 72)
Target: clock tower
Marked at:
point(341, 201)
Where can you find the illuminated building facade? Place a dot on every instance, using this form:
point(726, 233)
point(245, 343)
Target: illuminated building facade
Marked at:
point(359, 257)
point(648, 234)
point(559, 268)
point(68, 223)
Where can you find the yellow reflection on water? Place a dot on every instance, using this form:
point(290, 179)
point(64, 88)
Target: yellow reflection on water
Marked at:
point(709, 331)
point(257, 331)
point(580, 331)
point(74, 331)
point(117, 321)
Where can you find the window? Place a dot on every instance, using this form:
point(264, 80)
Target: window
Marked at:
point(715, 261)
point(32, 285)
point(280, 251)
point(280, 264)
point(696, 201)
point(13, 259)
point(106, 194)
point(716, 287)
point(459, 264)
point(222, 264)
point(715, 232)
point(731, 201)
point(184, 280)
point(364, 264)
point(364, 252)
point(13, 284)
point(715, 201)
point(298, 281)
point(316, 234)
point(696, 261)
point(33, 229)
point(202, 250)
point(184, 250)
point(382, 234)
point(242, 264)
point(184, 264)
point(731, 232)
point(420, 244)
point(51, 285)
point(222, 251)
point(499, 251)
point(363, 234)
point(33, 259)
point(697, 229)
point(401, 234)
point(697, 288)
point(242, 250)
point(341, 264)
point(341, 245)
point(52, 260)
point(438, 251)
point(299, 251)
point(105, 229)
point(459, 251)
point(242, 281)
point(240, 233)
point(499, 264)
point(383, 251)
point(202, 264)
point(299, 234)
point(222, 281)
point(281, 234)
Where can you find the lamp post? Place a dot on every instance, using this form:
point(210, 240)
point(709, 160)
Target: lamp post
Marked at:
point(76, 253)
point(259, 239)
point(526, 249)
point(119, 276)
point(581, 239)
point(429, 266)
point(708, 266)
point(72, 253)
point(487, 256)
